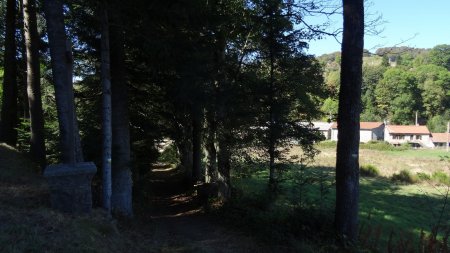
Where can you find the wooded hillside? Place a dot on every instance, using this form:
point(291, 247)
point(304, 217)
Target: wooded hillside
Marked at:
point(397, 83)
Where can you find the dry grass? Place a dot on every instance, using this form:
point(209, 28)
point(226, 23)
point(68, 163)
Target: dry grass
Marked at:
point(390, 162)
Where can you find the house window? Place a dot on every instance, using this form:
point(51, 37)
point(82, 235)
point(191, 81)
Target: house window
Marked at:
point(418, 137)
point(398, 137)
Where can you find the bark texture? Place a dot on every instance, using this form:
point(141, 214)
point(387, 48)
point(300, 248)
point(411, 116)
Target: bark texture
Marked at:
point(37, 140)
point(347, 157)
point(197, 119)
point(9, 119)
point(106, 112)
point(122, 182)
point(60, 52)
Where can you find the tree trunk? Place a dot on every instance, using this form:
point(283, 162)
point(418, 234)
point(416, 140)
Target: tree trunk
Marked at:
point(347, 157)
point(211, 152)
point(197, 118)
point(37, 141)
point(107, 132)
point(22, 87)
point(224, 167)
point(60, 52)
point(9, 120)
point(272, 176)
point(122, 183)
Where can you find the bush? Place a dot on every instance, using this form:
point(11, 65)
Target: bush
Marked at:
point(423, 176)
point(441, 177)
point(369, 170)
point(404, 176)
point(383, 146)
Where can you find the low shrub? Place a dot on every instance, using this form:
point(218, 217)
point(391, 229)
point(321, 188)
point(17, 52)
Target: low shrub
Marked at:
point(423, 176)
point(404, 176)
point(441, 177)
point(383, 146)
point(369, 170)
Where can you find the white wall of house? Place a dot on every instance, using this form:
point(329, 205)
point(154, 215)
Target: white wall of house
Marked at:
point(365, 135)
point(334, 134)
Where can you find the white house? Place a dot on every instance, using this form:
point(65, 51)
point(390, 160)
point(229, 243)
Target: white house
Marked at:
point(418, 136)
point(324, 128)
point(369, 131)
point(440, 139)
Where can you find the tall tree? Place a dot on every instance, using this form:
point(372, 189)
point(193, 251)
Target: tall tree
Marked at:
point(37, 141)
point(9, 120)
point(197, 126)
point(61, 58)
point(106, 112)
point(347, 156)
point(121, 199)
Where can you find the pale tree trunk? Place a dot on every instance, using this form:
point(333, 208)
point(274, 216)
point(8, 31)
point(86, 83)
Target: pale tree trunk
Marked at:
point(223, 132)
point(224, 167)
point(9, 120)
point(211, 152)
point(60, 52)
point(122, 183)
point(23, 108)
point(37, 141)
point(197, 119)
point(347, 157)
point(106, 112)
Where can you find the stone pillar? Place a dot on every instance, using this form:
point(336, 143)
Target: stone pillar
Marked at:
point(70, 186)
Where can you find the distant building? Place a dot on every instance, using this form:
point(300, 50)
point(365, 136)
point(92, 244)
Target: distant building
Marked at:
point(440, 139)
point(417, 136)
point(324, 128)
point(369, 131)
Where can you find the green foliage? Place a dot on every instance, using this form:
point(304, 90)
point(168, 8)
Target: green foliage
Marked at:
point(404, 176)
point(440, 55)
point(418, 81)
point(23, 135)
point(369, 170)
point(441, 177)
point(169, 155)
point(423, 176)
point(382, 146)
point(438, 123)
point(330, 108)
point(396, 96)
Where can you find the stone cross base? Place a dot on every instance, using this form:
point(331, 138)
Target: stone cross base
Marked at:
point(70, 186)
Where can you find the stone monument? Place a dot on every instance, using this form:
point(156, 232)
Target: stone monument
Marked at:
point(70, 186)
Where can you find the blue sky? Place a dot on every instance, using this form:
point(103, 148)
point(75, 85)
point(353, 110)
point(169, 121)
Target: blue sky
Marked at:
point(416, 23)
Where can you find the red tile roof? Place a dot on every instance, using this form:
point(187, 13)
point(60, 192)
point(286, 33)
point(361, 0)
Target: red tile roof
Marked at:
point(363, 125)
point(397, 129)
point(440, 137)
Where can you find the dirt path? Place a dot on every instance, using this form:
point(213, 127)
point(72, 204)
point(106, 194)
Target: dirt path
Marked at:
point(179, 224)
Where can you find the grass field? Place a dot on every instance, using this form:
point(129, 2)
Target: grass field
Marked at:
point(385, 207)
point(391, 161)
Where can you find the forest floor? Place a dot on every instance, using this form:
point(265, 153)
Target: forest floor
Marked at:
point(171, 221)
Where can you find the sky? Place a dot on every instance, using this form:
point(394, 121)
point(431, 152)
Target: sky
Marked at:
point(413, 23)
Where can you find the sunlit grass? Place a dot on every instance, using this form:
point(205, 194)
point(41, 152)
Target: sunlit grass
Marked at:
point(390, 207)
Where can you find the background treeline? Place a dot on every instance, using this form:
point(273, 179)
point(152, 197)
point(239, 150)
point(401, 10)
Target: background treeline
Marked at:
point(397, 83)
